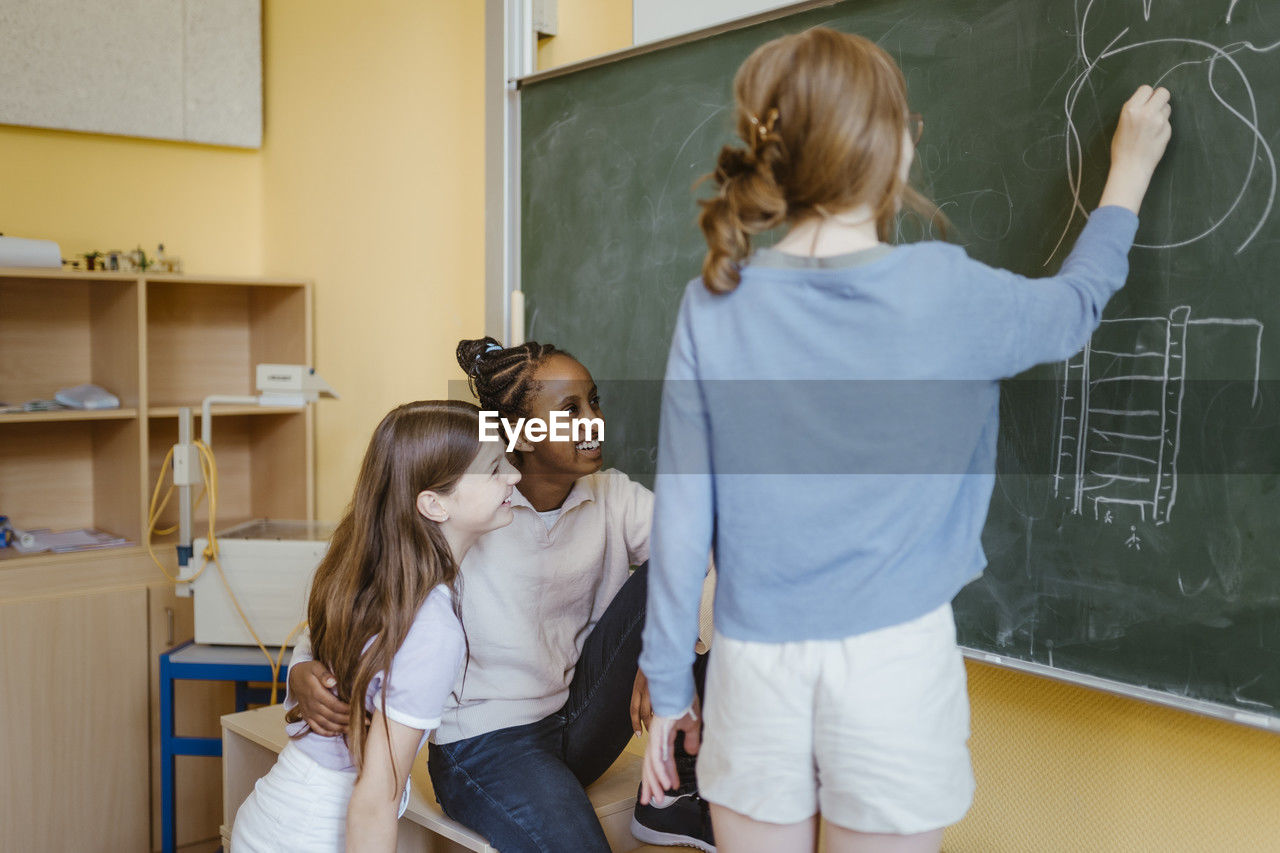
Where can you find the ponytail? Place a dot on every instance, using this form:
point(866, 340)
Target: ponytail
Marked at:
point(749, 201)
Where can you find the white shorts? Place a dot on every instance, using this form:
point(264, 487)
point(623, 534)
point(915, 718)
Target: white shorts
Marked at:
point(871, 730)
point(299, 805)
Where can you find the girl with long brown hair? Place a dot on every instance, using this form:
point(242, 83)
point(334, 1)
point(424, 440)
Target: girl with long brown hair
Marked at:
point(829, 424)
point(383, 617)
point(553, 613)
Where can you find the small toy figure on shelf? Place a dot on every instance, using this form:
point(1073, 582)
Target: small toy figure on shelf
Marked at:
point(166, 263)
point(139, 260)
point(135, 261)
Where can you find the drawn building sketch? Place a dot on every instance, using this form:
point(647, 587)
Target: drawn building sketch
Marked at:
point(1119, 430)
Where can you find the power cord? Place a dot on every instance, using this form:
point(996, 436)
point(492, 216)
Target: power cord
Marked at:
point(209, 473)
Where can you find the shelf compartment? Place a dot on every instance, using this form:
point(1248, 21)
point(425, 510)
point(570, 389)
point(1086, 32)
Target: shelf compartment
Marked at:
point(56, 333)
point(72, 473)
point(206, 338)
point(262, 461)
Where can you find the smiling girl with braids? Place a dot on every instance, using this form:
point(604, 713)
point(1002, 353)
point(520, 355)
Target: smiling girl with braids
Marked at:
point(551, 693)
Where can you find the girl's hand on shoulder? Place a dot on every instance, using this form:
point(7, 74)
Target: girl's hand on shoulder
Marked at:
point(310, 684)
point(1141, 138)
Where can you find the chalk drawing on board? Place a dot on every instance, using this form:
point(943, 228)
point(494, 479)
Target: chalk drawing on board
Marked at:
point(1247, 116)
point(1120, 415)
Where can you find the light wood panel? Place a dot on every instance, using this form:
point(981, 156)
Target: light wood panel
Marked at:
point(44, 337)
point(159, 412)
point(279, 325)
point(197, 342)
point(280, 456)
point(73, 761)
point(36, 576)
point(46, 474)
point(114, 333)
point(117, 494)
point(68, 415)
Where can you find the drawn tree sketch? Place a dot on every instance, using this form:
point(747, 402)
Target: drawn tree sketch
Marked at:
point(1119, 429)
point(1243, 114)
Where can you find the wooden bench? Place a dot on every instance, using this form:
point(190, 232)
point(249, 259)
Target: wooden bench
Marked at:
point(251, 740)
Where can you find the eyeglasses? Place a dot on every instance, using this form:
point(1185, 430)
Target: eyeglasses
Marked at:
point(915, 127)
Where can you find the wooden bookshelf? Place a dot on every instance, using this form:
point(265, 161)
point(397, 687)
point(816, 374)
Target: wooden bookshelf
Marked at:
point(158, 343)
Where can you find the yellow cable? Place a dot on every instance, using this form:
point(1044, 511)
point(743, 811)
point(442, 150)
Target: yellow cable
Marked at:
point(153, 514)
point(209, 472)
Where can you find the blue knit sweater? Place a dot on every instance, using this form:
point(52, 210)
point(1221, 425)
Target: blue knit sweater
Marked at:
point(830, 428)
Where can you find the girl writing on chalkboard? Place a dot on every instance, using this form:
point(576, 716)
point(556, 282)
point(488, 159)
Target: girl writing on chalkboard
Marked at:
point(829, 423)
point(551, 694)
point(383, 619)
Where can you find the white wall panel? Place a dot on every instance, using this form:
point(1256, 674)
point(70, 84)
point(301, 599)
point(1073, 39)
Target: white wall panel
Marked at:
point(659, 19)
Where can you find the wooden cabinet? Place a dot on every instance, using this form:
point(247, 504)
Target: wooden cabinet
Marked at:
point(80, 633)
point(73, 697)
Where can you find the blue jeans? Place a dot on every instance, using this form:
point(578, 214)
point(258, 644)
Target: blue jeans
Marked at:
point(522, 787)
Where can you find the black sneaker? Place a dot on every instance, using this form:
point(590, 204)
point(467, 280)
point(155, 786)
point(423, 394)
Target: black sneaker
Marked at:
point(684, 818)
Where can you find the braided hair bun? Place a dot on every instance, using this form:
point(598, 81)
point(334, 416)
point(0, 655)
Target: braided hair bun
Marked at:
point(502, 377)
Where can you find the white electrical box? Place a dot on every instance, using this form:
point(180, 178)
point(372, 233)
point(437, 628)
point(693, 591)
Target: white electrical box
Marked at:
point(268, 565)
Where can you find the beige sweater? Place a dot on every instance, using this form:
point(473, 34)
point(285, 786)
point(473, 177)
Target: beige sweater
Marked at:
point(530, 596)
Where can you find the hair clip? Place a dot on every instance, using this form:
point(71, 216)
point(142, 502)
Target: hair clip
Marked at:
point(492, 347)
point(765, 128)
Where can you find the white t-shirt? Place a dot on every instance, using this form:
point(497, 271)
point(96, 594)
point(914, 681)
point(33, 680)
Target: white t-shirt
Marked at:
point(423, 672)
point(549, 517)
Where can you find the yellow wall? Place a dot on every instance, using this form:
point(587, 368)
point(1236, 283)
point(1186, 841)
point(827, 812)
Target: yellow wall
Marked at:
point(586, 28)
point(370, 181)
point(373, 174)
point(109, 192)
point(1063, 768)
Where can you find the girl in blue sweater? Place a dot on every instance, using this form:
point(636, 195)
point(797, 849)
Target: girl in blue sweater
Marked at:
point(829, 425)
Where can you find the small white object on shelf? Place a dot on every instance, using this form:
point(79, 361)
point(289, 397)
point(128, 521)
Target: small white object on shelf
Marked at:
point(87, 396)
point(21, 252)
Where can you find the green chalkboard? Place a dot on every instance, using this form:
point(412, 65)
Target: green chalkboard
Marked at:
point(1134, 533)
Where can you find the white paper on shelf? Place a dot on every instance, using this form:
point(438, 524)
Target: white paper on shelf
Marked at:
point(34, 541)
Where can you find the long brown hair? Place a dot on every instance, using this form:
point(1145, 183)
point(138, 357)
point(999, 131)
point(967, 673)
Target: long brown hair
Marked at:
point(823, 115)
point(385, 557)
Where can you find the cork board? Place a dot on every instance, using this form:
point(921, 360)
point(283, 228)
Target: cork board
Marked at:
point(187, 70)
